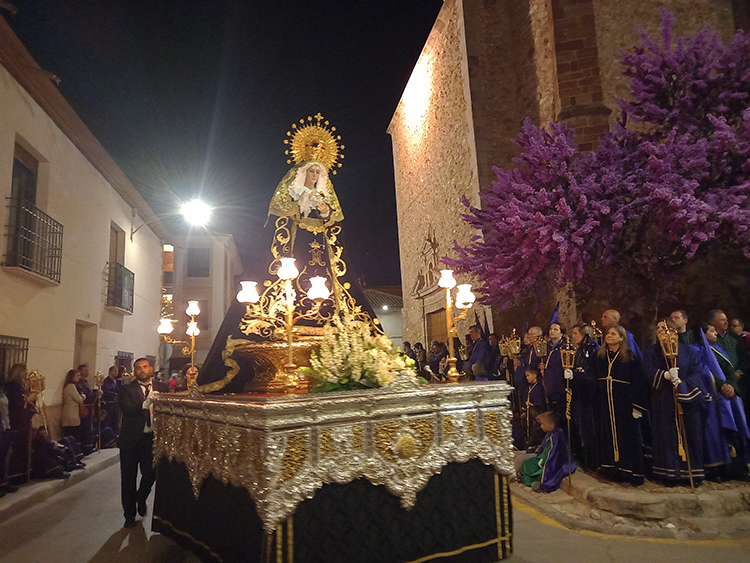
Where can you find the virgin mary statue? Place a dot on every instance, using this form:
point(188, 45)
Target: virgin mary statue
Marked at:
point(307, 228)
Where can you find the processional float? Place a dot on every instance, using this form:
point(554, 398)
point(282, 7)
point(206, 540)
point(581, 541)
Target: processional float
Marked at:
point(256, 464)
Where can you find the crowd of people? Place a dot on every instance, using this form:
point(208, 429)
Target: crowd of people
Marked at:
point(632, 413)
point(89, 420)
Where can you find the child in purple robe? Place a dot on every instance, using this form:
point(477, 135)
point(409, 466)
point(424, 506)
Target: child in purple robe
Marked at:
point(545, 471)
point(526, 432)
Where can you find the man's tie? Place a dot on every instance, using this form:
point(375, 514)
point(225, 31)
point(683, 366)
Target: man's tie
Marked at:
point(146, 390)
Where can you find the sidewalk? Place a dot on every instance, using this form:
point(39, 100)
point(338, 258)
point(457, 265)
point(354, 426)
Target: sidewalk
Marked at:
point(712, 511)
point(39, 490)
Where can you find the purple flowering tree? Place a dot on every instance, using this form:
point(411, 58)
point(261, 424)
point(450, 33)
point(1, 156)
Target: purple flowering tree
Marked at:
point(654, 197)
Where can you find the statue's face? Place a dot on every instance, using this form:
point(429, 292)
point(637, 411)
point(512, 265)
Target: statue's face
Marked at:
point(312, 175)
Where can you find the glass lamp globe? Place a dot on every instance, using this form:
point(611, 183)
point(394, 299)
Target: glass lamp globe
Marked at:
point(318, 290)
point(165, 327)
point(464, 297)
point(249, 292)
point(287, 271)
point(447, 281)
point(192, 329)
point(193, 308)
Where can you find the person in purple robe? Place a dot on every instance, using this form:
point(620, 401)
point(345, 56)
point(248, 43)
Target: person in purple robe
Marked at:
point(86, 437)
point(527, 358)
point(526, 431)
point(582, 401)
point(480, 350)
point(619, 402)
point(110, 392)
point(552, 370)
point(731, 407)
point(676, 437)
point(545, 471)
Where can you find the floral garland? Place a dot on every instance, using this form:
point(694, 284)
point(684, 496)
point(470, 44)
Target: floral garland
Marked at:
point(353, 357)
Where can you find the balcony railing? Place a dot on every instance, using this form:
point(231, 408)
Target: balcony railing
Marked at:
point(34, 240)
point(120, 284)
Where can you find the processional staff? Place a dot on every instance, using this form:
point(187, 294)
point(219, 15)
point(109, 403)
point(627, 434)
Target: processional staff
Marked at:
point(567, 355)
point(37, 384)
point(98, 383)
point(540, 347)
point(669, 341)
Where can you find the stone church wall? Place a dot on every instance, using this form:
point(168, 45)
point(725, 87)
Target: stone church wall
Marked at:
point(486, 66)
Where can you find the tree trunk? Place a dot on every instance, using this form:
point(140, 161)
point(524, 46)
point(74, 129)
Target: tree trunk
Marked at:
point(568, 313)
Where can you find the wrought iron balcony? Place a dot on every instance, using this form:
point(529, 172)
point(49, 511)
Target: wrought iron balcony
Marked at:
point(34, 240)
point(120, 283)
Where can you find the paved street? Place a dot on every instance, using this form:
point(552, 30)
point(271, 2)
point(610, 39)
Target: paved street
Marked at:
point(83, 524)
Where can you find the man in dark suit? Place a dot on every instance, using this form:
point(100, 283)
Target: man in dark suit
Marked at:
point(137, 439)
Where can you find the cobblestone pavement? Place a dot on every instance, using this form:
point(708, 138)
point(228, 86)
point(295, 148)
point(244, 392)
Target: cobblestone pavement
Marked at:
point(83, 523)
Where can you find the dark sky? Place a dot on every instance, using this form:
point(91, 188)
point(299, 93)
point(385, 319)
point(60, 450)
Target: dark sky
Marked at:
point(195, 98)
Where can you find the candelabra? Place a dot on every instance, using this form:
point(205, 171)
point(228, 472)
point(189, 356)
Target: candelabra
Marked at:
point(274, 314)
point(165, 329)
point(464, 300)
point(510, 346)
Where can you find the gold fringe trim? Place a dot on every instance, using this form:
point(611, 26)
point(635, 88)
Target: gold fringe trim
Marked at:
point(188, 536)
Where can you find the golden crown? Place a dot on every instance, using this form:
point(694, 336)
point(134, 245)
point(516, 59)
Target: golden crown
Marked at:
point(314, 139)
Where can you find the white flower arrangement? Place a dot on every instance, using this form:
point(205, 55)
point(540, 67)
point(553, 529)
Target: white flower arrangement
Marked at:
point(352, 356)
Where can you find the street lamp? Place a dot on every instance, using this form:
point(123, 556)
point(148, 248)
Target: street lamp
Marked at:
point(165, 328)
point(196, 212)
point(275, 310)
point(464, 299)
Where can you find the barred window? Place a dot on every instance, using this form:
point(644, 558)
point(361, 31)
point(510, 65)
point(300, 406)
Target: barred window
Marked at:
point(13, 350)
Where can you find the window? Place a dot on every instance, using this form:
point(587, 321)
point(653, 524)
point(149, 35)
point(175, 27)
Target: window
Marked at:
point(120, 280)
point(13, 350)
point(34, 238)
point(198, 262)
point(25, 170)
point(116, 244)
point(125, 359)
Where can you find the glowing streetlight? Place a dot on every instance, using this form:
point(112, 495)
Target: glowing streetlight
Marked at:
point(196, 212)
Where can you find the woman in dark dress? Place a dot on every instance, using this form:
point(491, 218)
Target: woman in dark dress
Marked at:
point(619, 401)
point(21, 409)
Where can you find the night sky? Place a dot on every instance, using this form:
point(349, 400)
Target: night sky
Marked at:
point(195, 98)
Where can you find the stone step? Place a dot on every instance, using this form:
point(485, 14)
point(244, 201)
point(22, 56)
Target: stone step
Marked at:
point(39, 490)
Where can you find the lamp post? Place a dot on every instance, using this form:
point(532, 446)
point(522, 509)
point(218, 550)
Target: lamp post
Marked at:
point(165, 328)
point(464, 300)
point(274, 310)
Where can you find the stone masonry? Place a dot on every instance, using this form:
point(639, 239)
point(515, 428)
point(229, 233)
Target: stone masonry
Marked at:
point(486, 66)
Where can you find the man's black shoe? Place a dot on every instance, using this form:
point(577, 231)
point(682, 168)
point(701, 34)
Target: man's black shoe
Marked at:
point(129, 524)
point(142, 508)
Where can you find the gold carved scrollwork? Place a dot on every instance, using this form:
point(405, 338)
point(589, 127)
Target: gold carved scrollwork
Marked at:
point(384, 434)
point(285, 462)
point(294, 458)
point(283, 240)
point(316, 251)
point(471, 425)
point(492, 428)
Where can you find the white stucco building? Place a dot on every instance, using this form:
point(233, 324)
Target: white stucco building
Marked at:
point(200, 267)
point(75, 285)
